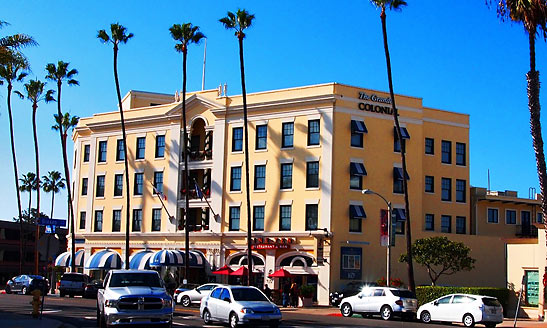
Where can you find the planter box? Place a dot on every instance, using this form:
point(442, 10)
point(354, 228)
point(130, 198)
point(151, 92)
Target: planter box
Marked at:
point(306, 301)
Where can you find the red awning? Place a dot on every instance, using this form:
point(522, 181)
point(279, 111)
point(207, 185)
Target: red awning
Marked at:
point(240, 272)
point(281, 273)
point(225, 270)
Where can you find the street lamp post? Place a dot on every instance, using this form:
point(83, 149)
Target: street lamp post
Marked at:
point(389, 232)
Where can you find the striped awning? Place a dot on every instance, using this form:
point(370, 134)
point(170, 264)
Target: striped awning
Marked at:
point(104, 260)
point(175, 257)
point(141, 260)
point(65, 259)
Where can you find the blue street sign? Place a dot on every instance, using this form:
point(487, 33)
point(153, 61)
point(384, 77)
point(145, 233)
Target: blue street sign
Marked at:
point(50, 229)
point(53, 222)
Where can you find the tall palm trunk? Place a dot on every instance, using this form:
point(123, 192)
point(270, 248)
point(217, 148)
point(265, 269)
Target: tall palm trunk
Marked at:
point(186, 180)
point(246, 136)
point(410, 268)
point(16, 175)
point(126, 163)
point(52, 203)
point(62, 135)
point(37, 160)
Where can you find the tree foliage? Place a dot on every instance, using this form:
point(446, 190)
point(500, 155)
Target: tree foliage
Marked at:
point(440, 256)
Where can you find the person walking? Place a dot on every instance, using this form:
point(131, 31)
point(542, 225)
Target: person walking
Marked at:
point(285, 293)
point(294, 291)
point(268, 292)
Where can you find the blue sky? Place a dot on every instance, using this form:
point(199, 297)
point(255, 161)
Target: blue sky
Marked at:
point(456, 55)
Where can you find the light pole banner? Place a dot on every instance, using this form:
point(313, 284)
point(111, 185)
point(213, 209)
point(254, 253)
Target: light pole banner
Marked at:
point(384, 228)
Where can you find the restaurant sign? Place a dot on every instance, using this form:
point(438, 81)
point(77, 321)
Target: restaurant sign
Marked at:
point(272, 243)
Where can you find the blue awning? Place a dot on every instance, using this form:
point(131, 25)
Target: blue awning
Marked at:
point(357, 212)
point(141, 260)
point(357, 169)
point(175, 257)
point(104, 260)
point(65, 259)
point(62, 259)
point(358, 127)
point(404, 133)
point(398, 174)
point(399, 214)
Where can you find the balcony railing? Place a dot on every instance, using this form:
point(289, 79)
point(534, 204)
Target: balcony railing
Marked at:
point(526, 231)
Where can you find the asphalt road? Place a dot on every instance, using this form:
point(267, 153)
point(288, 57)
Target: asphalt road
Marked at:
point(81, 312)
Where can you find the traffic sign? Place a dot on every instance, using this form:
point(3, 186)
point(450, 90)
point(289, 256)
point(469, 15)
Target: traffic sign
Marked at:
point(53, 222)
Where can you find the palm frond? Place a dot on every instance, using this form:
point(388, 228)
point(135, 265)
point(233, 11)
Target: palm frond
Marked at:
point(101, 35)
point(19, 94)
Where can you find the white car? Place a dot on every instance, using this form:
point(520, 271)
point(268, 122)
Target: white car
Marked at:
point(239, 305)
point(466, 308)
point(188, 297)
point(380, 300)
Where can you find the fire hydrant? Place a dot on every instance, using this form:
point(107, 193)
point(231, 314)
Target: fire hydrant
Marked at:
point(36, 302)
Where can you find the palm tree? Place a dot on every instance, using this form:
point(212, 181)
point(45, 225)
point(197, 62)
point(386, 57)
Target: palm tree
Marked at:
point(397, 5)
point(59, 74)
point(185, 34)
point(119, 35)
point(28, 184)
point(53, 182)
point(14, 71)
point(34, 90)
point(11, 43)
point(238, 22)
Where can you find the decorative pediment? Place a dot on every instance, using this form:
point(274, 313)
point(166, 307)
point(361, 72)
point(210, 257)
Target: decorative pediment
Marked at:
point(192, 103)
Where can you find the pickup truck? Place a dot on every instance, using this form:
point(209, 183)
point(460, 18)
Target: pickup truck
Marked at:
point(134, 297)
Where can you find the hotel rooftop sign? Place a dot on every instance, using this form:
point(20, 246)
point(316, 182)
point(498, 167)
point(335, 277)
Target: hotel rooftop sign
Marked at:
point(375, 108)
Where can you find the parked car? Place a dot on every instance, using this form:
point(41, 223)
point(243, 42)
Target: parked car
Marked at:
point(352, 288)
point(25, 284)
point(183, 288)
point(193, 296)
point(385, 301)
point(132, 297)
point(92, 288)
point(466, 308)
point(239, 305)
point(73, 283)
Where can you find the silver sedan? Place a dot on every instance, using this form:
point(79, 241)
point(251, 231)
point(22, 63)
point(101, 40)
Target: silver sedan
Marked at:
point(193, 296)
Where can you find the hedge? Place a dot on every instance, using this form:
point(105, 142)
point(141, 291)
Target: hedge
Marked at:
point(426, 294)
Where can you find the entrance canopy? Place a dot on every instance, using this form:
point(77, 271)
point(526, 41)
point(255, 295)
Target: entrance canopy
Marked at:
point(175, 257)
point(65, 259)
point(225, 270)
point(141, 260)
point(281, 273)
point(104, 260)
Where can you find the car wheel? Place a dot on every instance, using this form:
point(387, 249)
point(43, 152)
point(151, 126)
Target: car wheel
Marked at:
point(346, 310)
point(186, 302)
point(8, 290)
point(207, 317)
point(386, 312)
point(71, 295)
point(425, 317)
point(233, 320)
point(24, 291)
point(468, 320)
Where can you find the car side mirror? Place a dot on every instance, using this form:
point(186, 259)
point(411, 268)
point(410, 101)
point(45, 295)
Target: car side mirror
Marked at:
point(360, 296)
point(436, 303)
point(227, 299)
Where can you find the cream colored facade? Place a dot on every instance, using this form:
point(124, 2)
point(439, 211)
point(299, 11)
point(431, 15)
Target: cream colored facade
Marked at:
point(309, 228)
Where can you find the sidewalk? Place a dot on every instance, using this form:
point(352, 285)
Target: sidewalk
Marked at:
point(12, 320)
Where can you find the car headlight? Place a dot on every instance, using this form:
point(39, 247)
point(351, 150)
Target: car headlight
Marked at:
point(111, 303)
point(247, 311)
point(167, 302)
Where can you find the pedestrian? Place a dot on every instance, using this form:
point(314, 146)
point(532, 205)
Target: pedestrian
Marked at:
point(268, 292)
point(294, 291)
point(285, 293)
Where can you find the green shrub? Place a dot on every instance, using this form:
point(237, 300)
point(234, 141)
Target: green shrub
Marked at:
point(307, 291)
point(426, 294)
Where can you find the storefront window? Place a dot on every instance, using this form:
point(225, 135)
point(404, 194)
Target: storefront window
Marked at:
point(532, 288)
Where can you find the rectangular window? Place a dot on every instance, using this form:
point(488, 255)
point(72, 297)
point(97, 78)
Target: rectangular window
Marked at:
point(102, 152)
point(139, 181)
point(400, 227)
point(493, 215)
point(446, 223)
point(311, 216)
point(397, 144)
point(235, 178)
point(118, 185)
point(285, 218)
point(141, 145)
point(446, 151)
point(137, 220)
point(355, 181)
point(510, 217)
point(460, 153)
point(260, 177)
point(429, 222)
point(398, 180)
point(356, 216)
point(404, 135)
point(100, 186)
point(286, 176)
point(160, 146)
point(98, 221)
point(158, 182)
point(312, 175)
point(460, 191)
point(234, 218)
point(358, 128)
point(237, 139)
point(195, 143)
point(313, 132)
point(84, 186)
point(261, 136)
point(287, 135)
point(356, 139)
point(429, 183)
point(156, 219)
point(86, 153)
point(429, 146)
point(460, 225)
point(258, 218)
point(116, 220)
point(539, 218)
point(446, 187)
point(82, 220)
point(120, 154)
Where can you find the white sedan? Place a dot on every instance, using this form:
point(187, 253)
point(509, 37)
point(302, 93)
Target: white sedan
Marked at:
point(194, 296)
point(465, 308)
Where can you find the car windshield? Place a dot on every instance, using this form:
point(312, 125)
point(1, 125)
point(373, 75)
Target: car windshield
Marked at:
point(248, 294)
point(403, 293)
point(489, 301)
point(135, 279)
